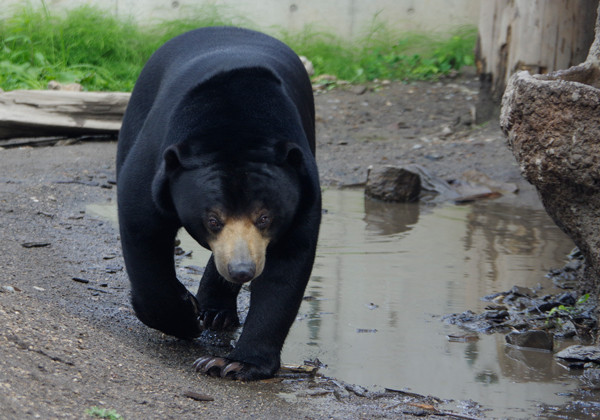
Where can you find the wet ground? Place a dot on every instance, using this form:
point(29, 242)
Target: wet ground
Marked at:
point(382, 281)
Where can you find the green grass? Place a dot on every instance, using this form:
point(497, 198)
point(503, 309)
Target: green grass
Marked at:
point(103, 413)
point(92, 47)
point(382, 54)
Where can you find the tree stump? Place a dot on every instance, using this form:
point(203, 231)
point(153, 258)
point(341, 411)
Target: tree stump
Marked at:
point(535, 35)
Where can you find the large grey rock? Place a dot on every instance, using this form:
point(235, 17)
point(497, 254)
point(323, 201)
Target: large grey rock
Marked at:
point(553, 130)
point(393, 183)
point(553, 127)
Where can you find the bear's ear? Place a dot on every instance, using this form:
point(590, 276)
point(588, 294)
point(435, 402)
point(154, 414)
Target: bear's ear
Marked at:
point(290, 153)
point(172, 158)
point(161, 193)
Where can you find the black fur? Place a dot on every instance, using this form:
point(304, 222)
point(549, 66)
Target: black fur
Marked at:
point(220, 118)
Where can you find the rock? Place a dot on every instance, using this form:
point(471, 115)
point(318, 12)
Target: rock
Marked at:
point(580, 353)
point(591, 377)
point(72, 87)
point(494, 185)
point(566, 330)
point(534, 339)
point(308, 65)
point(470, 321)
point(446, 131)
point(553, 129)
point(324, 79)
point(359, 89)
point(393, 183)
point(520, 291)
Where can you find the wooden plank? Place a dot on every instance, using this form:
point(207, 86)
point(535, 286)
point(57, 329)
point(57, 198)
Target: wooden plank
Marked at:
point(31, 113)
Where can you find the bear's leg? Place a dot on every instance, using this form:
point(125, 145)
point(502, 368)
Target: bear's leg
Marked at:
point(158, 298)
point(217, 299)
point(275, 298)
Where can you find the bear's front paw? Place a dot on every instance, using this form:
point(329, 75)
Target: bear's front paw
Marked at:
point(226, 368)
point(174, 313)
point(219, 320)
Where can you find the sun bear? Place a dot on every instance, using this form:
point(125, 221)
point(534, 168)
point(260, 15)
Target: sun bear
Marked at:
point(219, 139)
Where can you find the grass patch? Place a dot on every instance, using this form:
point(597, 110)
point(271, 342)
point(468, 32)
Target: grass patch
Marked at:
point(92, 47)
point(103, 413)
point(382, 54)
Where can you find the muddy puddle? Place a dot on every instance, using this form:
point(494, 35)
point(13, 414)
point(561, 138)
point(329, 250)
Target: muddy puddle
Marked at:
point(386, 273)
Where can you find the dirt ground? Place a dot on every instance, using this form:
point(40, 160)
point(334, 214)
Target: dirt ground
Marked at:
point(69, 340)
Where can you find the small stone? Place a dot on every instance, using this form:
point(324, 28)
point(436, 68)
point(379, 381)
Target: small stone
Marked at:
point(496, 315)
point(393, 183)
point(567, 330)
point(446, 131)
point(580, 353)
point(359, 89)
point(520, 291)
point(591, 377)
point(535, 339)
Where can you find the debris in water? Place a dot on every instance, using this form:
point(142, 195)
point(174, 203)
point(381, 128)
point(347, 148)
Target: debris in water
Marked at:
point(316, 363)
point(464, 338)
point(299, 369)
point(80, 280)
point(194, 269)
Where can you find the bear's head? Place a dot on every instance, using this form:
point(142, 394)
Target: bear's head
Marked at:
point(234, 206)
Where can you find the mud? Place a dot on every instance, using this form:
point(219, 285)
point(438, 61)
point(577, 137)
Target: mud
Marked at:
point(69, 340)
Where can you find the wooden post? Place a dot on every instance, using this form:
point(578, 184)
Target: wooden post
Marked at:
point(539, 36)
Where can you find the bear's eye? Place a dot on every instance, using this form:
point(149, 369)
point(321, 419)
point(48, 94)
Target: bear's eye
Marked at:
point(263, 222)
point(214, 224)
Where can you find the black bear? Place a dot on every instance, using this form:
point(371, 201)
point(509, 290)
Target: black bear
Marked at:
point(219, 138)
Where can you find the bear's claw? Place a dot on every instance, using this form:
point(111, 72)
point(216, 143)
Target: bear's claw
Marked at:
point(218, 320)
point(218, 366)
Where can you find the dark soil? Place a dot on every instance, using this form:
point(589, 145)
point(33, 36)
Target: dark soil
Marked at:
point(69, 340)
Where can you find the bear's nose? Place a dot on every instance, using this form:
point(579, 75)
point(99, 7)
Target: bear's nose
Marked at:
point(241, 272)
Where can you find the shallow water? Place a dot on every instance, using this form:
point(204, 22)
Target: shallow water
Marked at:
point(386, 273)
point(396, 268)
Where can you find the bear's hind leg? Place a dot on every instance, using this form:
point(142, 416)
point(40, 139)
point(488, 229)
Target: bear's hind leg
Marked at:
point(217, 299)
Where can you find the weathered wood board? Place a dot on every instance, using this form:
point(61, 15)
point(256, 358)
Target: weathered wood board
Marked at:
point(32, 113)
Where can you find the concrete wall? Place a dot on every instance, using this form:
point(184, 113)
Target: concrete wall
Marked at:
point(346, 18)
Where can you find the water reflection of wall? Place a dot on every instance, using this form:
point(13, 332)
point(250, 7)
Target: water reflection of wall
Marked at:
point(393, 270)
point(503, 241)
